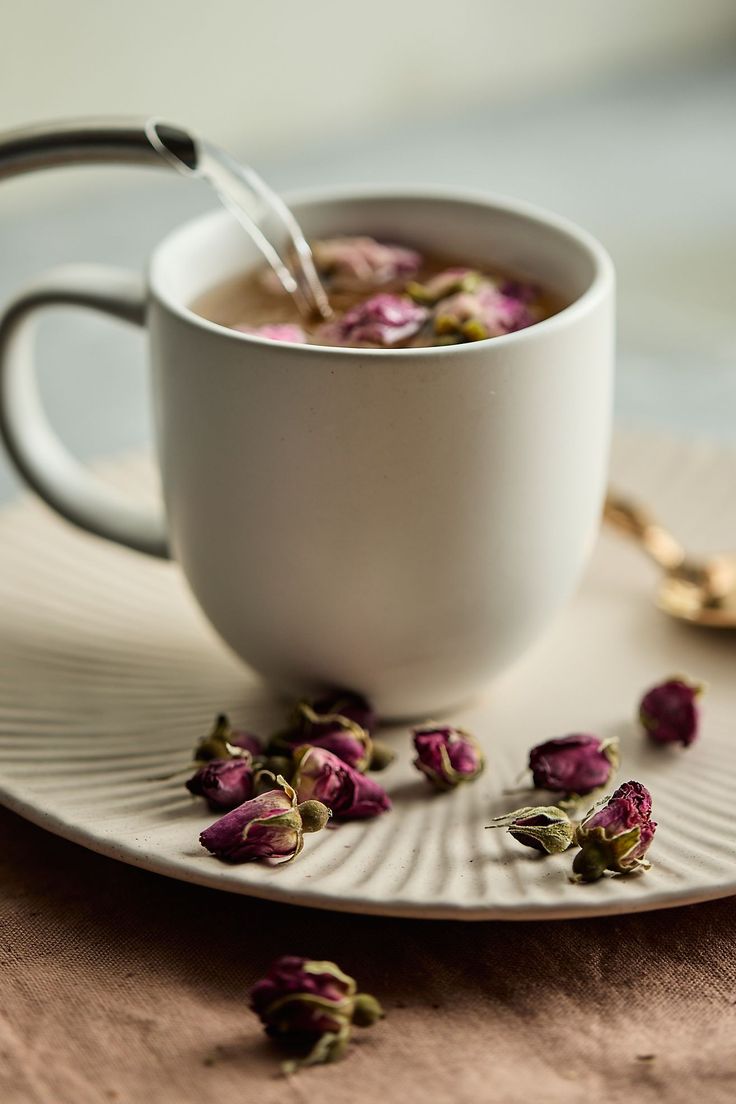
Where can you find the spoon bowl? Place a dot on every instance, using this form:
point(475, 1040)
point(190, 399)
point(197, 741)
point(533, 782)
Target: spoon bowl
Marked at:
point(702, 592)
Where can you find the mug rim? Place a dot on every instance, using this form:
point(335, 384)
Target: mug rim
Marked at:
point(599, 287)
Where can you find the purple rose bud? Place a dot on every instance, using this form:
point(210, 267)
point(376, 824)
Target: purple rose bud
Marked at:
point(224, 782)
point(517, 289)
point(345, 703)
point(448, 282)
point(446, 755)
point(483, 313)
point(276, 331)
point(575, 764)
point(225, 742)
point(616, 835)
point(381, 320)
point(341, 723)
point(319, 775)
point(669, 712)
point(355, 263)
point(270, 827)
point(312, 1004)
point(545, 828)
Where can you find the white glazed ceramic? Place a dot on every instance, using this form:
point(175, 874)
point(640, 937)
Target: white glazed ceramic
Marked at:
point(109, 673)
point(404, 523)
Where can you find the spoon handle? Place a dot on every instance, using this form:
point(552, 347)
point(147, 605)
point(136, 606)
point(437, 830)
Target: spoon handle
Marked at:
point(634, 520)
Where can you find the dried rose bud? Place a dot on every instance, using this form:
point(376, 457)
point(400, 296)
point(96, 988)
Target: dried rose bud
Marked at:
point(341, 723)
point(311, 1007)
point(669, 712)
point(483, 313)
point(448, 282)
point(353, 263)
point(543, 827)
point(344, 703)
point(446, 755)
point(382, 320)
point(349, 794)
point(226, 742)
point(615, 835)
point(573, 765)
point(224, 782)
point(270, 827)
point(276, 331)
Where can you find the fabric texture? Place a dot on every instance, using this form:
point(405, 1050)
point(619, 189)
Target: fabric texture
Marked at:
point(118, 985)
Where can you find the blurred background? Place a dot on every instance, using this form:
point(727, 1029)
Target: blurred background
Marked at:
point(621, 116)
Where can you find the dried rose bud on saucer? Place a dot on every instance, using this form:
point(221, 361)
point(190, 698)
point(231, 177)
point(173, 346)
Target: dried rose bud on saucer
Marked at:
point(670, 713)
point(616, 834)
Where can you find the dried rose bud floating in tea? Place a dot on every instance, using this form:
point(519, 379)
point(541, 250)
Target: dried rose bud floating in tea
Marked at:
point(309, 1007)
point(384, 295)
point(670, 713)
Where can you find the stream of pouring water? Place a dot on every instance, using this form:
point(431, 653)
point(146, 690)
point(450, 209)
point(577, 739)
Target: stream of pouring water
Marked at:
point(261, 212)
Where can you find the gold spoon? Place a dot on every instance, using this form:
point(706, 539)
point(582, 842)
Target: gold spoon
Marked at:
point(700, 591)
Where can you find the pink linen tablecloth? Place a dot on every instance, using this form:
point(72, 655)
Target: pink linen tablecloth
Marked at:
point(120, 986)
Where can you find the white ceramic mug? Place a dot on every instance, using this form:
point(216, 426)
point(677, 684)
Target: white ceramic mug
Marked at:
point(402, 523)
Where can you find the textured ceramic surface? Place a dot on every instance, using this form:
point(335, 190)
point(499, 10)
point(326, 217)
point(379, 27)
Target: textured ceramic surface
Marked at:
point(108, 673)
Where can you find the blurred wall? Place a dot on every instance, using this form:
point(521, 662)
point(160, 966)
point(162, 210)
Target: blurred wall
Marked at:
point(271, 75)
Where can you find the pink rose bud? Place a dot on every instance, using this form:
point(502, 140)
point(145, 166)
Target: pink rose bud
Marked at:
point(319, 775)
point(669, 712)
point(304, 1003)
point(545, 828)
point(616, 836)
point(225, 783)
point(486, 312)
point(276, 331)
point(353, 263)
point(446, 755)
point(572, 765)
point(382, 320)
point(448, 282)
point(226, 742)
point(269, 828)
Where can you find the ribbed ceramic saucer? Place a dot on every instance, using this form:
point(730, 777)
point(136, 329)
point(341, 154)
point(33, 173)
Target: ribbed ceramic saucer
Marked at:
point(108, 674)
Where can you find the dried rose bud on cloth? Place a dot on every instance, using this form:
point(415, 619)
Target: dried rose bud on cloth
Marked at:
point(447, 756)
point(616, 834)
point(269, 828)
point(310, 1008)
point(670, 713)
point(573, 765)
point(544, 828)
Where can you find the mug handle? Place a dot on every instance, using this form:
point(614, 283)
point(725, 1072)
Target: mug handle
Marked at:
point(38, 454)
